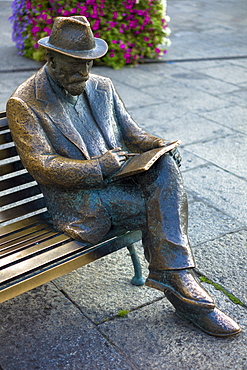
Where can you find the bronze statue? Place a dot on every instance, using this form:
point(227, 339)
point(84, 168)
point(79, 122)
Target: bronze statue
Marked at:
point(73, 134)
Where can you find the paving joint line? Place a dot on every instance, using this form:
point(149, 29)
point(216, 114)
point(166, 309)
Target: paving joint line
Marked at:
point(96, 326)
point(146, 61)
point(220, 288)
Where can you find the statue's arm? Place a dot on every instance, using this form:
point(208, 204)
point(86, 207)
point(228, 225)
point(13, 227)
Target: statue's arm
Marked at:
point(40, 158)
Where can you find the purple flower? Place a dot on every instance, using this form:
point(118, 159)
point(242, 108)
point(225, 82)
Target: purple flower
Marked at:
point(35, 29)
point(47, 30)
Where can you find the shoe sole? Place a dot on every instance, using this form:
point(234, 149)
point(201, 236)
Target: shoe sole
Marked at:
point(163, 288)
point(190, 320)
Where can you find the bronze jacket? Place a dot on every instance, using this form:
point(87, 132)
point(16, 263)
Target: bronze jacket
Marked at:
point(55, 154)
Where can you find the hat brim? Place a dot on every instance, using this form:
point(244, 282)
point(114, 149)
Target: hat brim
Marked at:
point(99, 51)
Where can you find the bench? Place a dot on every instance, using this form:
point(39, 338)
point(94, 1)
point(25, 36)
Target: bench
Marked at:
point(32, 252)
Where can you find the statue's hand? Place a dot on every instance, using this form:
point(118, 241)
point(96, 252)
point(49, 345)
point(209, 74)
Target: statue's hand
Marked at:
point(176, 155)
point(174, 152)
point(111, 161)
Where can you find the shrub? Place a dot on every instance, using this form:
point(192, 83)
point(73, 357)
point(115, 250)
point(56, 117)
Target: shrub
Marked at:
point(133, 29)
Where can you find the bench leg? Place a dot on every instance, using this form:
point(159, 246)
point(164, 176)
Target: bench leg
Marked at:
point(137, 279)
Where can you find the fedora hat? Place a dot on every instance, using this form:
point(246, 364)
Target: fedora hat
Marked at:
point(73, 36)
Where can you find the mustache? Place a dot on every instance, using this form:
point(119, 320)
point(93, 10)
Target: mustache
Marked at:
point(78, 80)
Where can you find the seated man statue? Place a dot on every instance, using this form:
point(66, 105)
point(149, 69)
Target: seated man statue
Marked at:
point(73, 134)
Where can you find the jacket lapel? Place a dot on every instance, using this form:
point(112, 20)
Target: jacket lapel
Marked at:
point(57, 113)
point(99, 102)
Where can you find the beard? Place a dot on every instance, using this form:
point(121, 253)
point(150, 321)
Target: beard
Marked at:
point(73, 85)
point(75, 88)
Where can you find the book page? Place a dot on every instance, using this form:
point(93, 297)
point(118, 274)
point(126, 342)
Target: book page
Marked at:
point(142, 162)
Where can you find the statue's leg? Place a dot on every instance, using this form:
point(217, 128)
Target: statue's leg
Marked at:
point(166, 241)
point(168, 252)
point(126, 207)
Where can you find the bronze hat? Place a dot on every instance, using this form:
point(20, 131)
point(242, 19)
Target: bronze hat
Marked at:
point(73, 36)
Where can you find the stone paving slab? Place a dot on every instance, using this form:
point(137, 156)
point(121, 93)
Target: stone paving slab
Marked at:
point(201, 81)
point(219, 188)
point(165, 122)
point(206, 29)
point(233, 117)
point(104, 288)
point(207, 222)
point(224, 152)
point(42, 329)
point(235, 75)
point(223, 260)
point(154, 338)
point(9, 83)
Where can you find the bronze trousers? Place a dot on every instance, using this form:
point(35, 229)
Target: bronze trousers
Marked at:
point(154, 201)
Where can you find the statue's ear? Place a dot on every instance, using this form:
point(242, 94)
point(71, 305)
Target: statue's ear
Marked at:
point(51, 60)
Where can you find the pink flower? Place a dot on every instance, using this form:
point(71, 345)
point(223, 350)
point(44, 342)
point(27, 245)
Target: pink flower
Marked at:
point(122, 46)
point(157, 50)
point(35, 29)
point(112, 55)
point(96, 25)
point(145, 38)
point(113, 24)
point(47, 30)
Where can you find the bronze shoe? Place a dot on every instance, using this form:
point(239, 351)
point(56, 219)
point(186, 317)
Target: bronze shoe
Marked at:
point(213, 322)
point(184, 286)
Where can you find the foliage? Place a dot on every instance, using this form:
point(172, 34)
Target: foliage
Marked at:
point(204, 279)
point(123, 313)
point(133, 29)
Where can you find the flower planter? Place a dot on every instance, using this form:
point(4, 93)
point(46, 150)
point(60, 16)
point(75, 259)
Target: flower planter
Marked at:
point(133, 29)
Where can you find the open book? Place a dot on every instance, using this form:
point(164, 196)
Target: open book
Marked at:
point(142, 162)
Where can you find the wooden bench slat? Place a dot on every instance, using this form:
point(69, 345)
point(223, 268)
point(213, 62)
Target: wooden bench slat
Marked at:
point(10, 167)
point(25, 238)
point(5, 137)
point(40, 247)
point(22, 210)
point(18, 180)
point(24, 232)
point(68, 264)
point(22, 224)
point(39, 260)
point(19, 195)
point(3, 119)
point(38, 237)
point(8, 153)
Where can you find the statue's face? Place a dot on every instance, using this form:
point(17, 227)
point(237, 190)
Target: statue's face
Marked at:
point(71, 73)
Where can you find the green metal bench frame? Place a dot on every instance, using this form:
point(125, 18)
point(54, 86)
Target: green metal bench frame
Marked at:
point(32, 252)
